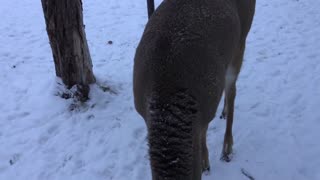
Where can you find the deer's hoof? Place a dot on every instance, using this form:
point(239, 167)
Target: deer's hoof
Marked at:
point(206, 170)
point(222, 116)
point(227, 149)
point(226, 157)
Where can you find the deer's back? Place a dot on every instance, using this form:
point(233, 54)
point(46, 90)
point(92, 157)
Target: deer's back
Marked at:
point(186, 45)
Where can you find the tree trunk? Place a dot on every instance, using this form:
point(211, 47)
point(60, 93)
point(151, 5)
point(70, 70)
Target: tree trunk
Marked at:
point(65, 28)
point(150, 5)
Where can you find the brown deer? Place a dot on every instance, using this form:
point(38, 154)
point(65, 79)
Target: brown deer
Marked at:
point(190, 52)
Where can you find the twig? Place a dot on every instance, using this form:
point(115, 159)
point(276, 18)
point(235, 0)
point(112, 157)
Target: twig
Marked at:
point(247, 174)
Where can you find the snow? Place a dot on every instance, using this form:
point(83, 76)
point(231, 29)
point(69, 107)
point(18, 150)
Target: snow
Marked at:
point(277, 115)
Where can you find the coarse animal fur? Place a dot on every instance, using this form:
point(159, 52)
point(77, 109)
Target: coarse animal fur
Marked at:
point(190, 52)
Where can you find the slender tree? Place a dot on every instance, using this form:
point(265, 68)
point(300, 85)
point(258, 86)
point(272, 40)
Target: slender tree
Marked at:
point(65, 28)
point(150, 5)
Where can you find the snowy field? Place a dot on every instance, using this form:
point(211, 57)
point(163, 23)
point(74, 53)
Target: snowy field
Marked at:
point(277, 113)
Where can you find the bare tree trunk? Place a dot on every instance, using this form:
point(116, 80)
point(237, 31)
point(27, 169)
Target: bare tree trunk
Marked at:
point(65, 28)
point(150, 4)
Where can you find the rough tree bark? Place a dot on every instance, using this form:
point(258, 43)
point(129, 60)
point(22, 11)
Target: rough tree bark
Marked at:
point(65, 28)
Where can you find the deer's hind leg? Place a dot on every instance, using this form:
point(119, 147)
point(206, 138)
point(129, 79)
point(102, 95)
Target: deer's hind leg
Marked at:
point(205, 153)
point(230, 94)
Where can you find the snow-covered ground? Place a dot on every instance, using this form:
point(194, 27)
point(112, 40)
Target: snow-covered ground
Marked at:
point(277, 116)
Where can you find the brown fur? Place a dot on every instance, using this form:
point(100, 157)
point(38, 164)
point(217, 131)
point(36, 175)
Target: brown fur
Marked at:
point(179, 77)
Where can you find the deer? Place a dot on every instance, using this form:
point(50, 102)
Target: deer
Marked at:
point(190, 53)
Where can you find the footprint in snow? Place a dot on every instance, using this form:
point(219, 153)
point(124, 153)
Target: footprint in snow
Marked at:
point(15, 158)
point(138, 133)
point(18, 116)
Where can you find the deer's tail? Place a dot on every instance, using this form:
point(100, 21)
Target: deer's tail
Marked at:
point(170, 135)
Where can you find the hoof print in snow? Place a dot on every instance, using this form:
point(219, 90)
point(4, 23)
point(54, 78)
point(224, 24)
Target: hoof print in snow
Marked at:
point(107, 89)
point(14, 159)
point(91, 116)
point(93, 106)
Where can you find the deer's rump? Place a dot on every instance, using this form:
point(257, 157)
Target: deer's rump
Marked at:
point(185, 48)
